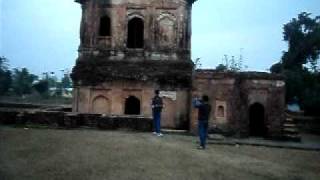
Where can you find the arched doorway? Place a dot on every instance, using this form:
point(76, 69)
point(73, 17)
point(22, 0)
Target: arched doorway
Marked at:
point(257, 120)
point(132, 106)
point(135, 33)
point(101, 105)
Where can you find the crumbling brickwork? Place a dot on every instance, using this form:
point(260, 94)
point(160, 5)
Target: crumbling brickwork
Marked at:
point(129, 48)
point(236, 93)
point(166, 31)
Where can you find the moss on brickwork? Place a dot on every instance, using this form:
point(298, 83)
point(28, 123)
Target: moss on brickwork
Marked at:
point(94, 71)
point(247, 75)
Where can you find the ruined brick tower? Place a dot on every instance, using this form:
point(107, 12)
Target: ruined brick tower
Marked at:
point(128, 49)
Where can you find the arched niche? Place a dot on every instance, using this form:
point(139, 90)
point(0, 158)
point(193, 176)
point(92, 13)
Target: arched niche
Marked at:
point(101, 105)
point(166, 30)
point(220, 111)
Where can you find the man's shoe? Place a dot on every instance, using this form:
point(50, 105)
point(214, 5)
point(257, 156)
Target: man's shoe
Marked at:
point(160, 135)
point(154, 133)
point(201, 147)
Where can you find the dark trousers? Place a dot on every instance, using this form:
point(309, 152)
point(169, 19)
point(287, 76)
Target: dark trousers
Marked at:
point(156, 121)
point(203, 131)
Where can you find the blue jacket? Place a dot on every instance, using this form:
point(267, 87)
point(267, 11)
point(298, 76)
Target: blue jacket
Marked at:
point(204, 109)
point(157, 104)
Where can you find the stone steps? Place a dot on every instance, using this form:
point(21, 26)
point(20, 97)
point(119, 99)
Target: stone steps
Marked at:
point(289, 125)
point(174, 131)
point(290, 130)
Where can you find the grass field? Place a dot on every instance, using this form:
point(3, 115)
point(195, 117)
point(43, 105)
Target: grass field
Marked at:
point(92, 154)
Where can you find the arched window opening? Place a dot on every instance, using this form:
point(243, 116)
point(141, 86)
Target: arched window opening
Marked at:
point(105, 26)
point(135, 33)
point(257, 120)
point(132, 106)
point(220, 112)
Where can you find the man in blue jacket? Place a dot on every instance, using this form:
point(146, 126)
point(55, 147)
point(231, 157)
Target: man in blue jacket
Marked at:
point(157, 106)
point(204, 110)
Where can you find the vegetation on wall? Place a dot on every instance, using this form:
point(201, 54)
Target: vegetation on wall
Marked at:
point(231, 64)
point(93, 71)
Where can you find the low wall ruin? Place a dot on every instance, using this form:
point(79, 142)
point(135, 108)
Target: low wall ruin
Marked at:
point(58, 119)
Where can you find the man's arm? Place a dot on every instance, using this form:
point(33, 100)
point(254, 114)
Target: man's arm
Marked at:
point(152, 103)
point(196, 103)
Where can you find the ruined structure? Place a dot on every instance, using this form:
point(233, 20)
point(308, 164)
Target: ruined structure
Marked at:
point(243, 104)
point(129, 48)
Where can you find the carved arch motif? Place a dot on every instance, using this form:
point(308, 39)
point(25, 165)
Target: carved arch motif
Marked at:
point(166, 30)
point(135, 15)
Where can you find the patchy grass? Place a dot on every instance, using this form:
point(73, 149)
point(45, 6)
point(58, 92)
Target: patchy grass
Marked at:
point(92, 154)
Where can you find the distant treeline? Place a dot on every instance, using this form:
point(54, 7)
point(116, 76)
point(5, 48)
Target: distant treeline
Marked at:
point(21, 82)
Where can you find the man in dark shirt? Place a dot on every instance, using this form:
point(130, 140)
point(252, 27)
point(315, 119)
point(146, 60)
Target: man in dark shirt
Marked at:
point(204, 110)
point(157, 106)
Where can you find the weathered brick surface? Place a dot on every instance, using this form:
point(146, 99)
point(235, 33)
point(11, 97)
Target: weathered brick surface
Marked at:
point(108, 71)
point(70, 121)
point(90, 120)
point(73, 120)
point(239, 91)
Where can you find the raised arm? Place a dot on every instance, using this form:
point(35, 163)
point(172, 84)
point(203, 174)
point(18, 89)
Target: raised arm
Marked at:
point(196, 103)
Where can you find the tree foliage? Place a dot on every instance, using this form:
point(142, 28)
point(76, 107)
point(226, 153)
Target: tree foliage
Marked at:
point(5, 76)
point(42, 87)
point(299, 63)
point(303, 37)
point(222, 68)
point(66, 81)
point(22, 81)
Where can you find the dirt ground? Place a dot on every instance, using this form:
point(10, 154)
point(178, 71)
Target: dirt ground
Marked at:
point(92, 154)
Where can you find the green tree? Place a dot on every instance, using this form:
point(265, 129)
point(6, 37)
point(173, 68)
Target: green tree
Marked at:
point(22, 81)
point(222, 68)
point(299, 63)
point(5, 76)
point(303, 37)
point(52, 79)
point(42, 87)
point(276, 68)
point(66, 81)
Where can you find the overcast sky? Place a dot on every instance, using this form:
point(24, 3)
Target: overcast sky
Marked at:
point(43, 35)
